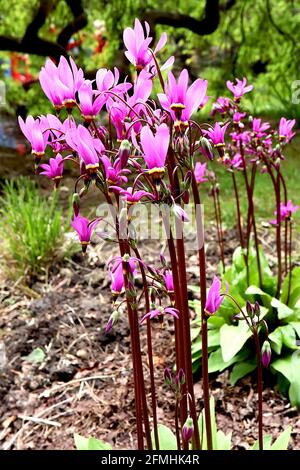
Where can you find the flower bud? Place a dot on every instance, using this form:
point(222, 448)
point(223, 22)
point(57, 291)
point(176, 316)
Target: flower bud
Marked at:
point(266, 354)
point(180, 377)
point(168, 376)
point(188, 430)
point(249, 308)
point(112, 321)
point(75, 202)
point(124, 152)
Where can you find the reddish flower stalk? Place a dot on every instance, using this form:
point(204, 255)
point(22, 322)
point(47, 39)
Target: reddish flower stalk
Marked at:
point(202, 272)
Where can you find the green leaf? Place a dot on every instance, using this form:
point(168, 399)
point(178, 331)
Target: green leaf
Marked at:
point(217, 363)
point(240, 370)
point(283, 310)
point(289, 367)
point(283, 335)
point(36, 356)
point(294, 290)
point(167, 439)
point(282, 440)
point(213, 423)
point(233, 338)
point(90, 443)
point(267, 441)
point(223, 441)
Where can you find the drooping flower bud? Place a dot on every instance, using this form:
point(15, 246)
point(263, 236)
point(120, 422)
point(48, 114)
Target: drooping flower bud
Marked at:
point(75, 203)
point(124, 152)
point(112, 320)
point(188, 430)
point(266, 354)
point(249, 308)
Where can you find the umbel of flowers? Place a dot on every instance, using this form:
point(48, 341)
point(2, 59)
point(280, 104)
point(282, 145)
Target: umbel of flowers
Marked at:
point(139, 148)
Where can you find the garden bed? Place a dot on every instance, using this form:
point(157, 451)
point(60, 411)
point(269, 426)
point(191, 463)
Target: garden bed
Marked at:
point(84, 384)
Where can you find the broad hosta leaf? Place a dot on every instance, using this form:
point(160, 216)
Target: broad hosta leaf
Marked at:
point(216, 361)
point(233, 338)
point(241, 369)
point(283, 335)
point(283, 310)
point(90, 443)
point(167, 440)
point(282, 441)
point(289, 367)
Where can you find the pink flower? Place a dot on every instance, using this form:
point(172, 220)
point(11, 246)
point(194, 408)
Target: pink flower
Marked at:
point(237, 117)
point(285, 129)
point(168, 278)
point(240, 88)
point(200, 171)
point(107, 80)
point(84, 229)
point(90, 105)
point(82, 142)
point(54, 169)
point(34, 132)
point(117, 275)
point(155, 147)
point(180, 100)
point(214, 297)
point(285, 211)
point(259, 128)
point(161, 311)
point(222, 106)
point(237, 162)
point(130, 196)
point(114, 173)
point(137, 44)
point(217, 134)
point(60, 83)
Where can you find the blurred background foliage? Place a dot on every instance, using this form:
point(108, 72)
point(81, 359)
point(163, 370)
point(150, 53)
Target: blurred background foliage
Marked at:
point(259, 40)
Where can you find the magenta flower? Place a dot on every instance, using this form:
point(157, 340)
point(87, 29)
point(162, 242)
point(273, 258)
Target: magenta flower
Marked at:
point(200, 171)
point(84, 229)
point(217, 134)
point(33, 129)
point(60, 83)
point(180, 100)
point(161, 311)
point(82, 142)
point(221, 106)
point(259, 128)
point(237, 117)
point(239, 89)
point(114, 173)
point(168, 278)
point(285, 129)
point(90, 105)
point(285, 211)
point(54, 169)
point(214, 297)
point(137, 44)
point(107, 80)
point(117, 275)
point(237, 162)
point(130, 196)
point(155, 148)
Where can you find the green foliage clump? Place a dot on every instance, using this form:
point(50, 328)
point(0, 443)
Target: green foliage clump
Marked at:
point(31, 228)
point(229, 340)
